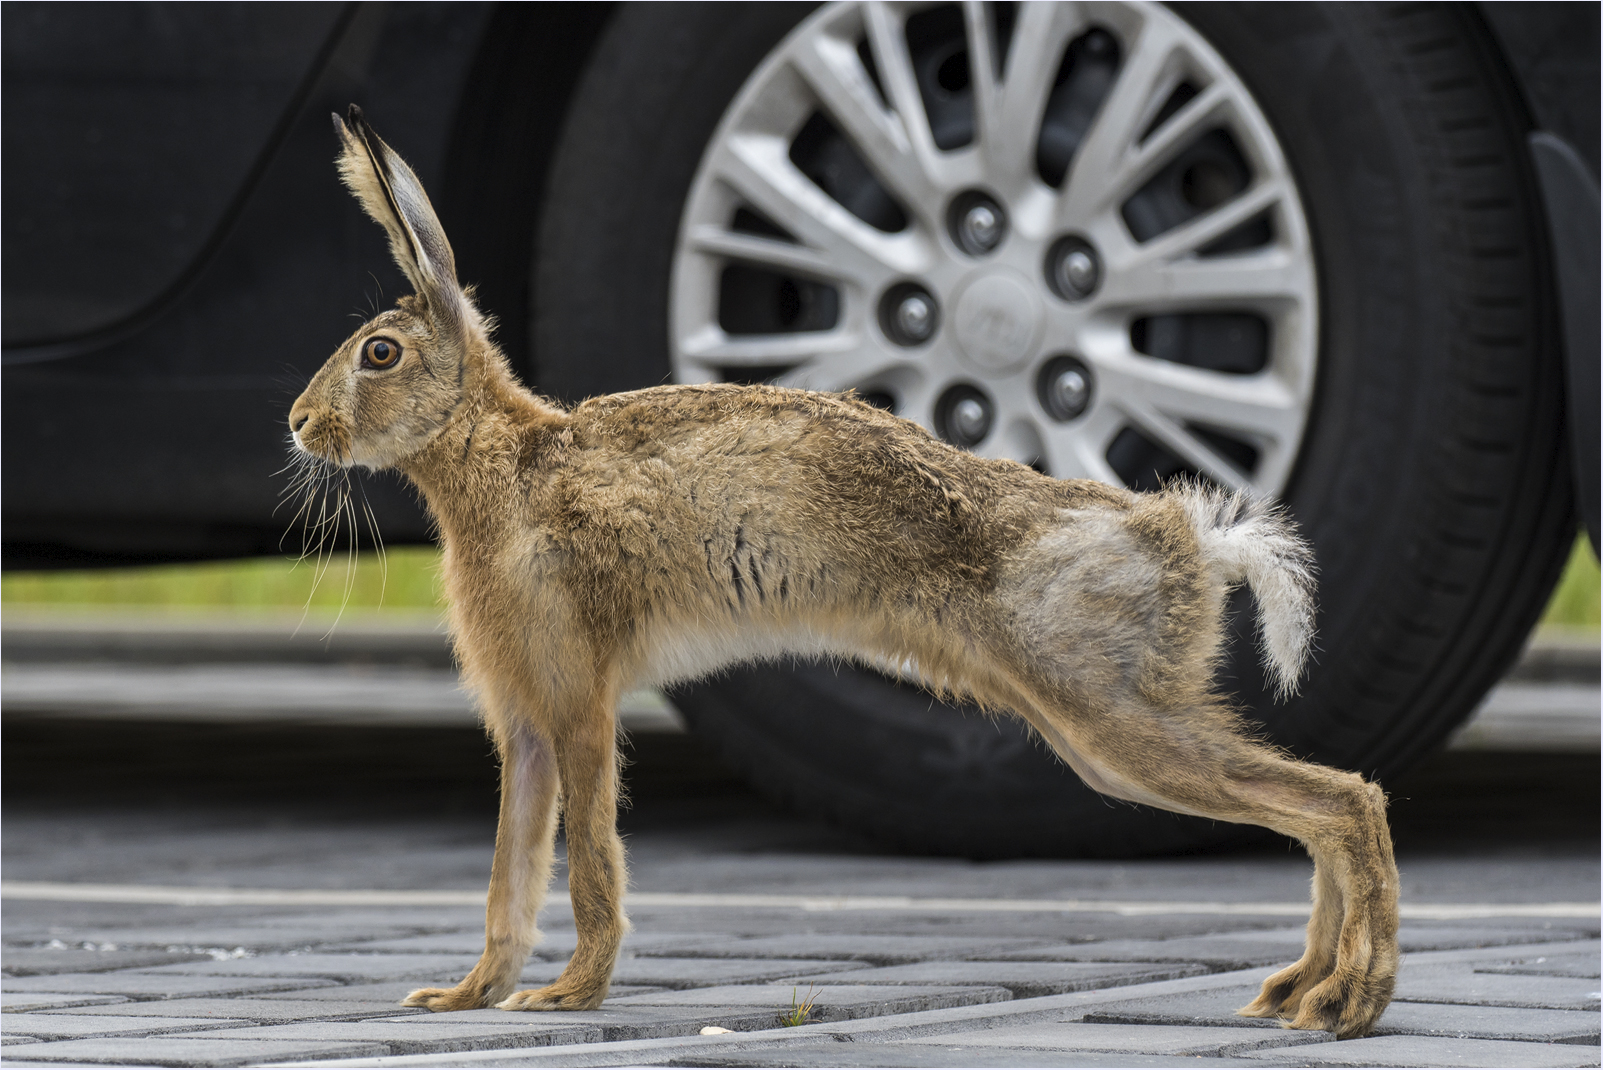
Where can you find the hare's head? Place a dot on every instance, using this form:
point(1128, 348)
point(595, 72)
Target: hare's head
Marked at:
point(390, 388)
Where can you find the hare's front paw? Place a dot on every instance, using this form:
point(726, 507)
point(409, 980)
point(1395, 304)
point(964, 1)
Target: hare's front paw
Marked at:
point(460, 998)
point(557, 997)
point(1348, 1002)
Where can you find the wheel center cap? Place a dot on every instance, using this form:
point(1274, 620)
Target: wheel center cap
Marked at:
point(996, 319)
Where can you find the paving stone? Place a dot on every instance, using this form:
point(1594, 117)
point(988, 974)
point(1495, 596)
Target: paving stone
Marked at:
point(1148, 1040)
point(1238, 950)
point(555, 944)
point(496, 1029)
point(1046, 928)
point(1549, 966)
point(1218, 1008)
point(416, 1035)
point(251, 937)
point(831, 1003)
point(1429, 1051)
point(350, 923)
point(31, 961)
point(621, 1023)
point(460, 942)
point(1418, 937)
point(18, 1002)
point(629, 1022)
point(154, 986)
point(876, 949)
point(257, 1011)
point(67, 1026)
point(1223, 951)
point(1023, 979)
point(920, 1053)
point(340, 967)
point(699, 973)
point(1484, 956)
point(168, 1051)
point(392, 992)
point(1446, 984)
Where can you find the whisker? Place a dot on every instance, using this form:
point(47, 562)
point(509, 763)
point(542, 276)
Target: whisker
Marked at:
point(378, 546)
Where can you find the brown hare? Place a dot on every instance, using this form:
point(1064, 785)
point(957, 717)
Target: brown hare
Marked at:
point(661, 534)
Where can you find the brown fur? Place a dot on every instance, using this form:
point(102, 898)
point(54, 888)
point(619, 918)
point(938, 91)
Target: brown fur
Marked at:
point(661, 534)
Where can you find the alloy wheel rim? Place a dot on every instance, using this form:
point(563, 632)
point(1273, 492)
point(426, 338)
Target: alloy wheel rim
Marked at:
point(1107, 234)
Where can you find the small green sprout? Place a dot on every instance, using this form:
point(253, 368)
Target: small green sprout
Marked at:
point(799, 1013)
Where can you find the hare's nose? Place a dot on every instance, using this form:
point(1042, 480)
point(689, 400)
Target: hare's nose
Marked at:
point(298, 422)
point(298, 417)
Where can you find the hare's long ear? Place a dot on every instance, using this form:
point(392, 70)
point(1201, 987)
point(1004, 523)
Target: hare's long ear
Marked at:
point(393, 196)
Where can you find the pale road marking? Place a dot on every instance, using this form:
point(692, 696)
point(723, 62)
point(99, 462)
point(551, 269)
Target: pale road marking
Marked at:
point(181, 896)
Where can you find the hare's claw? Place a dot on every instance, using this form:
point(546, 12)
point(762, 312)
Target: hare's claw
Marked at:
point(446, 999)
point(552, 998)
point(1282, 993)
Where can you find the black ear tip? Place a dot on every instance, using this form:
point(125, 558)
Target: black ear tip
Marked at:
point(354, 114)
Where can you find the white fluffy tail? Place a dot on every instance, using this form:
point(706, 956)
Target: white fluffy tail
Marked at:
point(1246, 538)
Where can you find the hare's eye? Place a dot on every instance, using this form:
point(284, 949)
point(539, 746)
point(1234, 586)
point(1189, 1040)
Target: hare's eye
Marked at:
point(380, 353)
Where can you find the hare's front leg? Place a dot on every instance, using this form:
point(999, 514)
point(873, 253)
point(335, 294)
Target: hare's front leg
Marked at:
point(519, 875)
point(588, 763)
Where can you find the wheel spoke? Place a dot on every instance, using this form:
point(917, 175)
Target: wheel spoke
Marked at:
point(1080, 450)
point(843, 369)
point(1094, 189)
point(1096, 166)
point(718, 241)
point(1262, 406)
point(711, 347)
point(1266, 277)
point(982, 69)
point(1192, 235)
point(759, 170)
point(1039, 38)
point(1188, 447)
point(889, 44)
point(830, 67)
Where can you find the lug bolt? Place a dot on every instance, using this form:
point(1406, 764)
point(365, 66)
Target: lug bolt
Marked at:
point(970, 420)
point(1073, 270)
point(963, 416)
point(1064, 388)
point(977, 222)
point(915, 316)
point(981, 226)
point(908, 314)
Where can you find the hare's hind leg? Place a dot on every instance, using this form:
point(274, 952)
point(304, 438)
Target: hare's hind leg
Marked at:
point(1195, 760)
point(519, 875)
point(587, 759)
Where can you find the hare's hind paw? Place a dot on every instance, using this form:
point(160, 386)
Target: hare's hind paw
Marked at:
point(447, 999)
point(552, 998)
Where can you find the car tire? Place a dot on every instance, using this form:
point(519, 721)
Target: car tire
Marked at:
point(1432, 476)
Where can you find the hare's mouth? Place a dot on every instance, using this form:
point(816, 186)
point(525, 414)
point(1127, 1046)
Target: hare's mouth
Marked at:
point(325, 440)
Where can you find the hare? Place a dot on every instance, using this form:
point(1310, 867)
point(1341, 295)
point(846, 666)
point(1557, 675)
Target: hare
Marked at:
point(658, 535)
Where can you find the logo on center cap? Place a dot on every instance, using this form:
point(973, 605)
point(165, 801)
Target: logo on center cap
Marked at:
point(996, 321)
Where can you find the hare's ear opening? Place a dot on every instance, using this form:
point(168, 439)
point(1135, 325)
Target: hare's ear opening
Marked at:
point(393, 196)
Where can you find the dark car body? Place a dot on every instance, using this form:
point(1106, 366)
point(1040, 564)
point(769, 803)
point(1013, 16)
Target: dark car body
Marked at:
point(178, 258)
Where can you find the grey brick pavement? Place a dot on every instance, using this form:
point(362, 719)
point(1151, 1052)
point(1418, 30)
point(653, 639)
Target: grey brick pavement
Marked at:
point(1497, 996)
